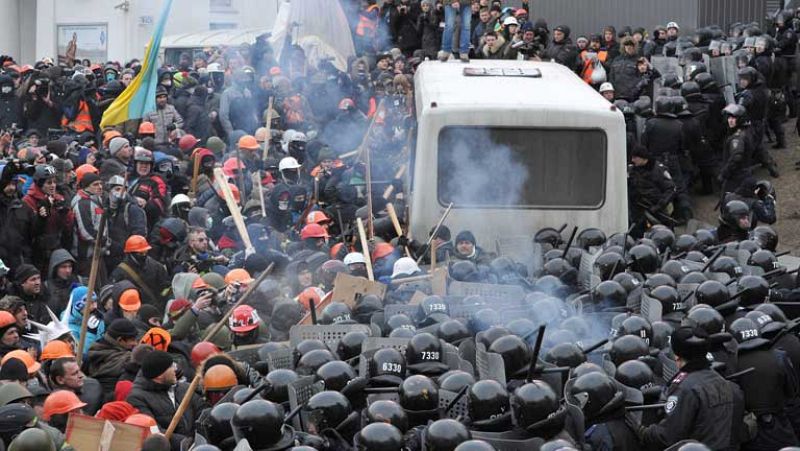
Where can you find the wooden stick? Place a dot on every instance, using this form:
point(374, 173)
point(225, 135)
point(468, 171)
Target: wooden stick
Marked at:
point(261, 199)
point(387, 193)
point(187, 399)
point(195, 175)
point(435, 231)
point(268, 137)
point(368, 177)
point(219, 176)
point(365, 248)
point(250, 289)
point(396, 223)
point(87, 306)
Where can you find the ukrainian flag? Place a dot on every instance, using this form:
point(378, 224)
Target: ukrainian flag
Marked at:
point(140, 96)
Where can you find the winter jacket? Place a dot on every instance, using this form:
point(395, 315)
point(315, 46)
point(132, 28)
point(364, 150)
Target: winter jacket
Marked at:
point(197, 122)
point(625, 77)
point(404, 30)
point(237, 110)
point(125, 220)
point(14, 249)
point(428, 28)
point(87, 211)
point(165, 119)
point(155, 193)
point(73, 316)
point(37, 115)
point(496, 51)
point(36, 305)
point(59, 289)
point(153, 275)
point(180, 100)
point(161, 402)
point(564, 52)
point(47, 232)
point(111, 167)
point(106, 362)
point(9, 111)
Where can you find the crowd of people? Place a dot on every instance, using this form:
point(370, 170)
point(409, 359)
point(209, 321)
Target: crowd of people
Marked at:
point(139, 258)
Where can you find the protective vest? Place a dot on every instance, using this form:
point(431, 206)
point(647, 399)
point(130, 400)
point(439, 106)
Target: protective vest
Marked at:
point(82, 121)
point(367, 24)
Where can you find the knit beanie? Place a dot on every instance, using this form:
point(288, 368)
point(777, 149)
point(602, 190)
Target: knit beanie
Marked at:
point(121, 327)
point(155, 364)
point(88, 179)
point(116, 145)
point(24, 272)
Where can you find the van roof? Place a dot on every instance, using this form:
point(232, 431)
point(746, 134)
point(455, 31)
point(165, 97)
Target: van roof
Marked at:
point(558, 87)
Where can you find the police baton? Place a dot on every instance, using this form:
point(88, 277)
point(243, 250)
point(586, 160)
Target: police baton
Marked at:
point(569, 242)
point(739, 374)
point(645, 407)
point(713, 258)
point(536, 349)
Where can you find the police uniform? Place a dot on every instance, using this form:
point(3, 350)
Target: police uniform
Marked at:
point(737, 157)
point(650, 185)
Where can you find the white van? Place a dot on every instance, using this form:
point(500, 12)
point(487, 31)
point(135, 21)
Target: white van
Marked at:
point(515, 146)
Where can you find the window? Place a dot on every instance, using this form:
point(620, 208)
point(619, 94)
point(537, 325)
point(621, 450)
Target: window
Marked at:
point(522, 167)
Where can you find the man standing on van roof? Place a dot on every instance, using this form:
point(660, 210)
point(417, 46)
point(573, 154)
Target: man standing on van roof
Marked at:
point(454, 9)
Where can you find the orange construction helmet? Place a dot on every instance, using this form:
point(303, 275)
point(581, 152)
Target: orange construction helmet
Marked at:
point(83, 170)
point(6, 319)
point(108, 135)
point(30, 363)
point(313, 231)
point(199, 284)
point(381, 250)
point(187, 143)
point(238, 275)
point(219, 377)
point(202, 351)
point(130, 300)
point(56, 349)
point(248, 142)
point(61, 402)
point(147, 128)
point(136, 244)
point(232, 164)
point(158, 338)
point(317, 217)
point(311, 293)
point(140, 419)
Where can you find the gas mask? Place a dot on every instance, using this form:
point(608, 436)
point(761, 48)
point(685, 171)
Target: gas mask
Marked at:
point(139, 258)
point(115, 198)
point(110, 76)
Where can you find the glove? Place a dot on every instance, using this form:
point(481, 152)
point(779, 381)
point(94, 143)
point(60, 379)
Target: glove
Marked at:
point(403, 241)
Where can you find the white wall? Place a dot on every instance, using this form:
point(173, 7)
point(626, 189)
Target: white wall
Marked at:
point(127, 34)
point(9, 32)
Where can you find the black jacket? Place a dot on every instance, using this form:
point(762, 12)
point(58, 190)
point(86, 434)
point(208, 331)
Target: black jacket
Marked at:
point(196, 121)
point(404, 28)
point(154, 399)
point(153, 275)
point(699, 405)
point(650, 185)
point(624, 76)
point(737, 155)
point(755, 98)
point(14, 250)
point(663, 136)
point(564, 53)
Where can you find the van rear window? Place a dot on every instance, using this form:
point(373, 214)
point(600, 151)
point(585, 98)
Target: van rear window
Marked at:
point(522, 167)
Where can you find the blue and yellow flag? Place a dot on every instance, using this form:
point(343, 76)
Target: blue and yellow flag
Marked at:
point(140, 96)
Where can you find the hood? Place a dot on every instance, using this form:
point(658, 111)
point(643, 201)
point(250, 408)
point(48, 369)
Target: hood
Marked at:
point(116, 292)
point(498, 44)
point(182, 284)
point(197, 217)
point(58, 257)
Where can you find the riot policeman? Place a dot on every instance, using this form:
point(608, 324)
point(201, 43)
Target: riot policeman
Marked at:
point(738, 151)
point(650, 188)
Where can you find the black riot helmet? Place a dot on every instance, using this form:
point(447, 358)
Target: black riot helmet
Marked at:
point(674, 269)
point(597, 394)
point(387, 367)
point(694, 277)
point(662, 237)
point(669, 299)
point(558, 267)
point(627, 280)
point(764, 259)
point(474, 445)
point(748, 73)
point(643, 259)
point(260, 423)
point(515, 353)
point(609, 264)
point(335, 313)
point(712, 293)
point(217, 426)
point(306, 346)
point(487, 400)
point(482, 320)
point(638, 327)
point(691, 89)
point(706, 82)
point(708, 319)
point(659, 280)
point(548, 284)
point(550, 236)
point(279, 380)
point(705, 238)
point(609, 294)
point(379, 437)
point(765, 236)
point(620, 239)
point(335, 375)
point(350, 344)
point(464, 271)
point(635, 374)
point(312, 361)
point(697, 257)
point(565, 354)
point(750, 246)
point(736, 214)
point(453, 331)
point(432, 310)
point(773, 311)
point(766, 326)
point(424, 354)
point(455, 380)
point(746, 332)
point(400, 321)
point(419, 393)
point(661, 334)
point(536, 408)
point(627, 347)
point(577, 325)
point(386, 411)
point(326, 410)
point(591, 237)
point(445, 435)
point(685, 243)
point(756, 290)
point(488, 336)
point(663, 104)
point(521, 327)
point(727, 265)
point(586, 368)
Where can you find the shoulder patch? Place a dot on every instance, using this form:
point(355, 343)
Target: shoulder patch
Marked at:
point(667, 176)
point(672, 402)
point(679, 377)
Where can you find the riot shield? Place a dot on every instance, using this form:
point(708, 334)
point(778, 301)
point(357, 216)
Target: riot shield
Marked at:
point(666, 65)
point(723, 69)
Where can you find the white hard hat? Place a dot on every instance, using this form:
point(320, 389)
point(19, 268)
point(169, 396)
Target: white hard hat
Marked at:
point(673, 25)
point(404, 266)
point(116, 180)
point(286, 138)
point(180, 199)
point(214, 67)
point(511, 20)
point(354, 257)
point(298, 136)
point(606, 87)
point(288, 163)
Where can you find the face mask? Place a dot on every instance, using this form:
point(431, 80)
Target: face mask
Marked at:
point(7, 89)
point(115, 198)
point(140, 259)
point(110, 77)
